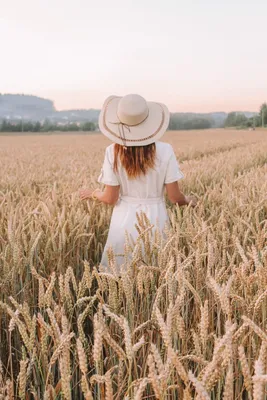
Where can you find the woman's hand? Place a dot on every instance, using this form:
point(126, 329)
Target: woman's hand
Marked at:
point(192, 200)
point(177, 197)
point(85, 194)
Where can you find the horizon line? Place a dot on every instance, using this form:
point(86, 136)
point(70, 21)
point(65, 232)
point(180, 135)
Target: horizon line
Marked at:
point(98, 109)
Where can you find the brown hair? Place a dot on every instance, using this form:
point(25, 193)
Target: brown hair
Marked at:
point(137, 160)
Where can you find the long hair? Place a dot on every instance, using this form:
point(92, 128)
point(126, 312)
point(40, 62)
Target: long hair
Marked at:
point(136, 160)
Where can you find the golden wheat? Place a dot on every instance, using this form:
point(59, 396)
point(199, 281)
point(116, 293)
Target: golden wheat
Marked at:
point(185, 319)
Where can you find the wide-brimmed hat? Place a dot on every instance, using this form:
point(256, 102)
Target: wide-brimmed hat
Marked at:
point(132, 121)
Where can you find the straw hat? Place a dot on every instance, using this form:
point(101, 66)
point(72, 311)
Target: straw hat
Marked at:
point(132, 121)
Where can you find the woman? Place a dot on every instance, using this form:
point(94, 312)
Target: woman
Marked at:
point(136, 169)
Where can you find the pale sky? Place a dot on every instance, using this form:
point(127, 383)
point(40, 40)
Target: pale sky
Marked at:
point(193, 55)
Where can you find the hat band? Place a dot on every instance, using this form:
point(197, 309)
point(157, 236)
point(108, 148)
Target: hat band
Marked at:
point(134, 140)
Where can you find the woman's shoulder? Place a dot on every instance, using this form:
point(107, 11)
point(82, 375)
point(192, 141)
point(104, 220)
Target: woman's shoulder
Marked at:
point(164, 149)
point(110, 150)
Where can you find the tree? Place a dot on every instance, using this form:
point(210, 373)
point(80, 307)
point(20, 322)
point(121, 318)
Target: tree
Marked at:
point(241, 120)
point(88, 126)
point(186, 122)
point(199, 123)
point(47, 126)
point(37, 127)
point(72, 127)
point(257, 120)
point(4, 126)
point(230, 120)
point(263, 114)
point(236, 119)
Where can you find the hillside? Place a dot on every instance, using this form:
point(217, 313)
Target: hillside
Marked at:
point(13, 106)
point(75, 115)
point(16, 107)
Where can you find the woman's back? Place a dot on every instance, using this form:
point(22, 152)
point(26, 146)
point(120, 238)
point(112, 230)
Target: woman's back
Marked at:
point(147, 186)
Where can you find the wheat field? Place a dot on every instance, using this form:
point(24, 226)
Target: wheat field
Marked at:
point(188, 317)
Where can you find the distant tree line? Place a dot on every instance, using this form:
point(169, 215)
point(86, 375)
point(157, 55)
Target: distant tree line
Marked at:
point(240, 120)
point(179, 122)
point(234, 119)
point(176, 123)
point(47, 126)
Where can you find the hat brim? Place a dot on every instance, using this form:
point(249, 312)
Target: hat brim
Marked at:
point(143, 134)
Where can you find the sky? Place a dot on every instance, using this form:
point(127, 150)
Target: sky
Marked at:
point(192, 55)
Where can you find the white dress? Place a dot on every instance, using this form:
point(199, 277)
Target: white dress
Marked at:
point(145, 193)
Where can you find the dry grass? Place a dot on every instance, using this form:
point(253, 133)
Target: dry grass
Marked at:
point(188, 317)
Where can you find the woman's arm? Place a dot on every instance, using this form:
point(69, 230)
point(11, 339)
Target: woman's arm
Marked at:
point(176, 196)
point(110, 195)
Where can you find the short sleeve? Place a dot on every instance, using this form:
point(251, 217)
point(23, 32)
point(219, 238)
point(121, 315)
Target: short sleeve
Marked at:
point(173, 172)
point(107, 175)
